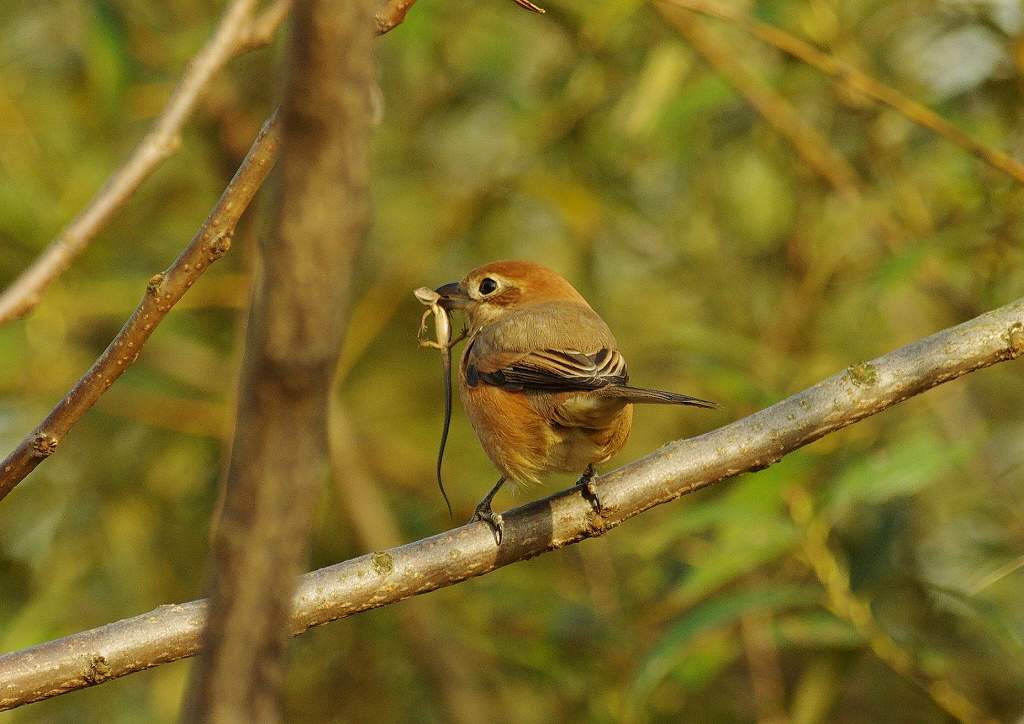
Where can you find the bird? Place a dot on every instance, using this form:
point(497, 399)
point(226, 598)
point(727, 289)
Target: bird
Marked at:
point(541, 378)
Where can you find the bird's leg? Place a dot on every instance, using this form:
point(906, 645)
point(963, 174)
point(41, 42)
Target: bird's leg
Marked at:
point(588, 489)
point(483, 512)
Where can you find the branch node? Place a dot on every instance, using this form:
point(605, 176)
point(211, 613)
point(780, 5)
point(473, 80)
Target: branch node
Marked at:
point(154, 283)
point(171, 145)
point(219, 245)
point(96, 669)
point(44, 445)
point(862, 374)
point(1014, 338)
point(383, 563)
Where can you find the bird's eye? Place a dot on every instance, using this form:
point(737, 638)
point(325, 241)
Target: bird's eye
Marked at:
point(487, 285)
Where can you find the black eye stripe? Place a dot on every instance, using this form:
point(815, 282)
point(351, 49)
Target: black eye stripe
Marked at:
point(487, 285)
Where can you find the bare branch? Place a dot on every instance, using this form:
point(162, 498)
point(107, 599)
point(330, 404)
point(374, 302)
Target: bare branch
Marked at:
point(855, 79)
point(296, 324)
point(42, 442)
point(210, 242)
point(234, 35)
point(238, 33)
point(264, 26)
point(378, 579)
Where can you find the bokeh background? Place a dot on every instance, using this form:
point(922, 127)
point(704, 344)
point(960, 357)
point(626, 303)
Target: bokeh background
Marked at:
point(876, 575)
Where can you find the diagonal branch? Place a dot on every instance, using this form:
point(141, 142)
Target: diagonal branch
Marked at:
point(173, 632)
point(237, 33)
point(856, 79)
point(124, 349)
point(209, 244)
point(812, 146)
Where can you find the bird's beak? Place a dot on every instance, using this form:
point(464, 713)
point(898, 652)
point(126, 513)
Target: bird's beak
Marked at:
point(452, 297)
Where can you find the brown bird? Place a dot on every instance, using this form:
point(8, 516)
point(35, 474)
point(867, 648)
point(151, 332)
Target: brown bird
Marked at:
point(541, 377)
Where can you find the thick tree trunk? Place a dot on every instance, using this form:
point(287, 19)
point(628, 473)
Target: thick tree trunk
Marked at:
point(279, 456)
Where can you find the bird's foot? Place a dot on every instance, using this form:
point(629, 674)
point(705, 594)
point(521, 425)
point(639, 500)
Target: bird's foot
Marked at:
point(588, 488)
point(484, 513)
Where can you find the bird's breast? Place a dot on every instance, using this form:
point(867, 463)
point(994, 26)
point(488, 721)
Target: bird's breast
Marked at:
point(530, 434)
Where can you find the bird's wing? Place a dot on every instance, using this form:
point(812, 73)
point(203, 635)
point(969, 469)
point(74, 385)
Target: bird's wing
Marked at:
point(548, 370)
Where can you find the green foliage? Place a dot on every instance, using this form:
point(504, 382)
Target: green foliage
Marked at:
point(595, 140)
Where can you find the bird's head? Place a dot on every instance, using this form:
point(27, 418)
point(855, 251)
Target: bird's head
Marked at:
point(493, 290)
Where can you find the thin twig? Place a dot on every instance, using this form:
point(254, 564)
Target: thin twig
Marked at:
point(211, 242)
point(235, 34)
point(378, 579)
point(805, 138)
point(238, 33)
point(812, 146)
point(855, 79)
point(264, 26)
point(43, 441)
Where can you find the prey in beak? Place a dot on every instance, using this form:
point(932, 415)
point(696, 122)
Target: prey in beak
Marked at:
point(452, 297)
point(437, 303)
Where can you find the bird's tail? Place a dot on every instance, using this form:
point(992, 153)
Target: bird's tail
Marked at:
point(642, 395)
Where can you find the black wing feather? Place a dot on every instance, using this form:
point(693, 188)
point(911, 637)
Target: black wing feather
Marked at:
point(560, 371)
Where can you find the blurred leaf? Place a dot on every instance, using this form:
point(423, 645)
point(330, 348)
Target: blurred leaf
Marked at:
point(904, 467)
point(985, 613)
point(743, 504)
point(105, 58)
point(673, 644)
point(738, 552)
point(815, 629)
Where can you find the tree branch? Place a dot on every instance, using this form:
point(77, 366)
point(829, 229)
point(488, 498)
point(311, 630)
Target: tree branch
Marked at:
point(237, 33)
point(378, 579)
point(43, 441)
point(855, 79)
point(210, 243)
point(264, 26)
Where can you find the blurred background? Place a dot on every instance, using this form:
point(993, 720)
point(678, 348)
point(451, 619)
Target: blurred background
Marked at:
point(876, 575)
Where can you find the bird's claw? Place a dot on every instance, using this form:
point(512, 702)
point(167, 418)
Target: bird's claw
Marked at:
point(492, 519)
point(588, 488)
